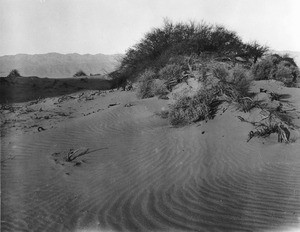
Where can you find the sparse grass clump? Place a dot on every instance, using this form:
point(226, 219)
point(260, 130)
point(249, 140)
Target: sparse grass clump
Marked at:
point(234, 83)
point(170, 71)
point(159, 88)
point(146, 84)
point(246, 104)
point(220, 70)
point(171, 74)
point(150, 86)
point(192, 109)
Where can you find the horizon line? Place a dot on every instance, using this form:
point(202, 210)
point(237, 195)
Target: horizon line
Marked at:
point(71, 53)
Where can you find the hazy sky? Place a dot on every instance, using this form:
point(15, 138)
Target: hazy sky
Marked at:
point(112, 26)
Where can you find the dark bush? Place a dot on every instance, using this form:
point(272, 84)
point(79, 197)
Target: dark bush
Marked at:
point(254, 51)
point(161, 44)
point(80, 73)
point(14, 73)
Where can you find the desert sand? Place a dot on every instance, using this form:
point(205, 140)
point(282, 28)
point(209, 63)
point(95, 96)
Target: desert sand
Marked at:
point(135, 172)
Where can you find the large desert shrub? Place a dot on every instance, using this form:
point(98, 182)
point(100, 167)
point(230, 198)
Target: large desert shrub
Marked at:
point(177, 39)
point(14, 73)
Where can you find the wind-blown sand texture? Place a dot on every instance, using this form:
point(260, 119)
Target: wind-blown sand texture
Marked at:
point(141, 174)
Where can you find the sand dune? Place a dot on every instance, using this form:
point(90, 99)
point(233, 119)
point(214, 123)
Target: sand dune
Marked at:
point(141, 174)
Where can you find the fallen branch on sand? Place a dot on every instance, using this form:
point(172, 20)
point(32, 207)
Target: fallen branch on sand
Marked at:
point(41, 129)
point(10, 157)
point(113, 104)
point(270, 125)
point(128, 105)
point(73, 154)
point(266, 130)
point(246, 104)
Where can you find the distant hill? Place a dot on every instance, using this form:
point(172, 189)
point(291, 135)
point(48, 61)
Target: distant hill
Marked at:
point(58, 65)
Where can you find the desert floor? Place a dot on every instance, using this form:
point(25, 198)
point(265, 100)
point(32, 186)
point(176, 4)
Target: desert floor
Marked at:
point(135, 172)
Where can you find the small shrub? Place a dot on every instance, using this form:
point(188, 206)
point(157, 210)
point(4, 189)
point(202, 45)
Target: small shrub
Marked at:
point(283, 69)
point(284, 72)
point(262, 70)
point(191, 109)
point(159, 88)
point(80, 73)
point(220, 70)
point(234, 83)
point(241, 80)
point(163, 114)
point(14, 73)
point(170, 71)
point(146, 84)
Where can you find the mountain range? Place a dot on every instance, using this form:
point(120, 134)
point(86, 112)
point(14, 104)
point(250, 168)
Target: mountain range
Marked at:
point(58, 65)
point(66, 65)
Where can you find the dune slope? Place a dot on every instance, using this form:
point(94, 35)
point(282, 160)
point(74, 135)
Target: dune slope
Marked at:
point(141, 174)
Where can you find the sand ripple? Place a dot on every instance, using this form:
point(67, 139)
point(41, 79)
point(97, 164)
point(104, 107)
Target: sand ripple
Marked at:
point(151, 178)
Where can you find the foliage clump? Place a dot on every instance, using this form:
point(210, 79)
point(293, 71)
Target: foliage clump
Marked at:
point(232, 85)
point(80, 73)
point(14, 73)
point(234, 82)
point(192, 109)
point(160, 45)
point(170, 71)
point(281, 68)
point(146, 84)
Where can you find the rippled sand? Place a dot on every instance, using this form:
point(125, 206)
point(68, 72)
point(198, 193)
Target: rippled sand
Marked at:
point(144, 175)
